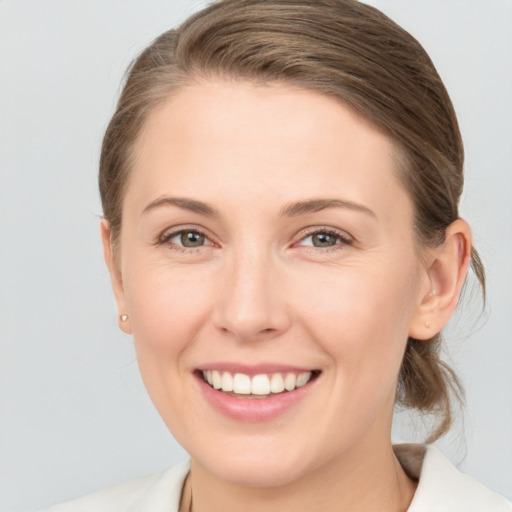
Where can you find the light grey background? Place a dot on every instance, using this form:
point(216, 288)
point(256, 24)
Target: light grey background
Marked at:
point(74, 414)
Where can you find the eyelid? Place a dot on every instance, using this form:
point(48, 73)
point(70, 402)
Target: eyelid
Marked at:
point(343, 236)
point(169, 233)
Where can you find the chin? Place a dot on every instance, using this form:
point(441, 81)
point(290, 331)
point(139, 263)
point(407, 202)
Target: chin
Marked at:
point(262, 473)
point(255, 465)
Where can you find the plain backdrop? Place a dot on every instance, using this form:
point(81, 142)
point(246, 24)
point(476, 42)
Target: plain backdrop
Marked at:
point(74, 413)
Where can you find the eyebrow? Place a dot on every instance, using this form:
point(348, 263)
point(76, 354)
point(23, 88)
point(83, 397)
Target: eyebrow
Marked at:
point(186, 204)
point(316, 205)
point(290, 210)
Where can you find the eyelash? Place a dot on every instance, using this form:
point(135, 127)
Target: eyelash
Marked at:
point(165, 239)
point(342, 240)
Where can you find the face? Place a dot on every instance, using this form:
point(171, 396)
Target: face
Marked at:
point(268, 247)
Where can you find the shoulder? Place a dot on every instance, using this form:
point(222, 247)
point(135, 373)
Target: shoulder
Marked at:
point(160, 492)
point(442, 487)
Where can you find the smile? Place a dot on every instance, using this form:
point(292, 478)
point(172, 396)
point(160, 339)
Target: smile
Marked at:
point(258, 386)
point(258, 393)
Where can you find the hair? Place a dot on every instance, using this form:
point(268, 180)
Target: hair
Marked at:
point(340, 48)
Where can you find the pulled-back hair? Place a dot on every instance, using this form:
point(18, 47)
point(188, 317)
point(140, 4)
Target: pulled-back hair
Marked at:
point(340, 48)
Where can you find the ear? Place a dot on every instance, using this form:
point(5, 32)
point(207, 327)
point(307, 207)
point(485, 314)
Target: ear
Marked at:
point(115, 275)
point(446, 271)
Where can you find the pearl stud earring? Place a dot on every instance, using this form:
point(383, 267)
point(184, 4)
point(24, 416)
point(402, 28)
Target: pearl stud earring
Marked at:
point(123, 318)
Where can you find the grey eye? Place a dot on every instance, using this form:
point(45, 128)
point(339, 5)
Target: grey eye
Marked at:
point(190, 239)
point(323, 239)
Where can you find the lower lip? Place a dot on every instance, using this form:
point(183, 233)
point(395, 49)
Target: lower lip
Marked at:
point(253, 409)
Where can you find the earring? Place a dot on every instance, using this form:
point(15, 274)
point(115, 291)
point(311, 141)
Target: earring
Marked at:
point(123, 318)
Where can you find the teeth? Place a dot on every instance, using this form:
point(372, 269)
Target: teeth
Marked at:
point(227, 381)
point(216, 380)
point(303, 379)
point(261, 384)
point(277, 383)
point(290, 381)
point(242, 384)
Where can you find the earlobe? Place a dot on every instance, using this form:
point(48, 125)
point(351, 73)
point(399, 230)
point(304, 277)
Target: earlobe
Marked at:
point(115, 276)
point(446, 272)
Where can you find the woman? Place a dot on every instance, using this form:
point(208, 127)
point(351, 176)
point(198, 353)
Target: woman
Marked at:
point(280, 184)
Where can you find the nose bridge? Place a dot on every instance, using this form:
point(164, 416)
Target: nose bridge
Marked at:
point(250, 304)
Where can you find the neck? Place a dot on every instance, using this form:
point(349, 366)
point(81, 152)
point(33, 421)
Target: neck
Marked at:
point(354, 482)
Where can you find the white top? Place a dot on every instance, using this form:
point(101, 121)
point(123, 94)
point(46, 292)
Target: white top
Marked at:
point(441, 488)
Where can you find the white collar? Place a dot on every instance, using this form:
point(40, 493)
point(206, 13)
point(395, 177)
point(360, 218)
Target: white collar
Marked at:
point(442, 487)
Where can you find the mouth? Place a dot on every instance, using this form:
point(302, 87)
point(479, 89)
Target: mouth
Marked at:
point(260, 386)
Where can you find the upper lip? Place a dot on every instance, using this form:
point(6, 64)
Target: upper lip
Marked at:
point(253, 369)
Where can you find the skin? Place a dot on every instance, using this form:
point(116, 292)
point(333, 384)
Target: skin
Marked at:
point(260, 291)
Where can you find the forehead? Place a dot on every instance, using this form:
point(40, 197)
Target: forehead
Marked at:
point(232, 138)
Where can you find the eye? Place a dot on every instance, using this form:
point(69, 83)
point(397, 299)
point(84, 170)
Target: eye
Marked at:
point(189, 238)
point(324, 239)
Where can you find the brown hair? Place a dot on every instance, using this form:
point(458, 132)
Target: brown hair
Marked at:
point(341, 48)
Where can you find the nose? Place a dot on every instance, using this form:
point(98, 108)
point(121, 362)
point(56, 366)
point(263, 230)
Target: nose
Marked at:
point(251, 303)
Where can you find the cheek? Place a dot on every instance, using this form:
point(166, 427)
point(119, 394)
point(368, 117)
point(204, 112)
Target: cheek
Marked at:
point(168, 307)
point(361, 318)
point(361, 322)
